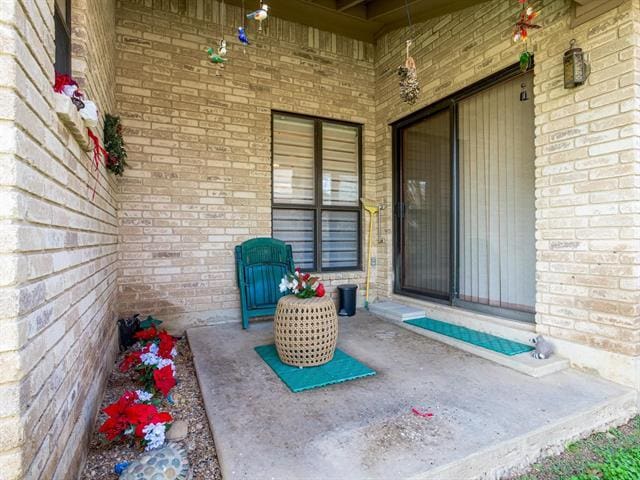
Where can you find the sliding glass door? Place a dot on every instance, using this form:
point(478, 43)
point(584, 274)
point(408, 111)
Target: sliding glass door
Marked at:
point(427, 207)
point(465, 199)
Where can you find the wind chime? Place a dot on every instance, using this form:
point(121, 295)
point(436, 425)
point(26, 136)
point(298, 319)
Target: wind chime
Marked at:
point(218, 54)
point(521, 29)
point(409, 85)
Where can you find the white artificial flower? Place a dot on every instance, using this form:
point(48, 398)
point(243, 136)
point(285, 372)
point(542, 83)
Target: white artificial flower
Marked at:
point(143, 395)
point(69, 90)
point(89, 113)
point(284, 285)
point(163, 362)
point(154, 435)
point(149, 358)
point(294, 285)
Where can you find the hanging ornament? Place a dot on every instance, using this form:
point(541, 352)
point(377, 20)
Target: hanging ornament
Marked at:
point(260, 14)
point(524, 96)
point(409, 86)
point(521, 29)
point(525, 60)
point(242, 36)
point(216, 55)
point(525, 22)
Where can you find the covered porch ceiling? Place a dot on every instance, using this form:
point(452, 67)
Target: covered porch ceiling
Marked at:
point(360, 19)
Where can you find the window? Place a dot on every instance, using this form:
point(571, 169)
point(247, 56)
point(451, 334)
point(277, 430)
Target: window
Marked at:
point(62, 20)
point(316, 190)
point(465, 194)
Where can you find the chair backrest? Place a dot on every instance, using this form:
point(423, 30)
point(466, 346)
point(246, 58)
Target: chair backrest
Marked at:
point(261, 264)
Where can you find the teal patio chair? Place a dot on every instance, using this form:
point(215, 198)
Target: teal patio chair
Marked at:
point(260, 265)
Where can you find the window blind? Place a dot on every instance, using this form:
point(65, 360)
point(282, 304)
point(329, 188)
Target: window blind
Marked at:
point(340, 155)
point(497, 202)
point(293, 160)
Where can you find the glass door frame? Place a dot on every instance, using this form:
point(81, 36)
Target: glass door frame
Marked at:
point(398, 127)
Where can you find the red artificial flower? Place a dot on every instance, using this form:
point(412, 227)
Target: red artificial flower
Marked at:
point(162, 417)
point(167, 342)
point(131, 360)
point(62, 81)
point(112, 428)
point(147, 334)
point(164, 379)
point(141, 415)
point(118, 420)
point(320, 290)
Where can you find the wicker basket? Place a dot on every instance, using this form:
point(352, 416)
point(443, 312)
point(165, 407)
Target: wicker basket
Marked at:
point(306, 330)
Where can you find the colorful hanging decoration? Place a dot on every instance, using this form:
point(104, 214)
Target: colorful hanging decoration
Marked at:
point(242, 36)
point(409, 85)
point(116, 158)
point(217, 54)
point(525, 22)
point(88, 110)
point(98, 154)
point(259, 15)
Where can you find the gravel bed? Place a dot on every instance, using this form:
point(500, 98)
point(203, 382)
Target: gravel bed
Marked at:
point(188, 406)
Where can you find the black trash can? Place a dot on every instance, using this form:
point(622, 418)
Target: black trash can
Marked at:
point(347, 295)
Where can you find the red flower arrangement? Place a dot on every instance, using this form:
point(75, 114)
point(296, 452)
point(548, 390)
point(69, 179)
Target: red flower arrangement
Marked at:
point(302, 285)
point(129, 417)
point(153, 361)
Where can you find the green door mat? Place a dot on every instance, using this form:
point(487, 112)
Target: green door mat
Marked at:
point(481, 339)
point(340, 369)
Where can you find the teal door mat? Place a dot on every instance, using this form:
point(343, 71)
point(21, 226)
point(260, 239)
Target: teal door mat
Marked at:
point(341, 368)
point(480, 339)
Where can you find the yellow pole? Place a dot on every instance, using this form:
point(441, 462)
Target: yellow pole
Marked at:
point(366, 300)
point(372, 209)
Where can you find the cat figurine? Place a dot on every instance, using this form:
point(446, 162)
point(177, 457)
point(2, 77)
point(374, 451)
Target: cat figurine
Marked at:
point(544, 349)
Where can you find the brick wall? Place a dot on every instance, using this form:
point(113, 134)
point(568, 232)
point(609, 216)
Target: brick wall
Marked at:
point(199, 145)
point(587, 164)
point(58, 247)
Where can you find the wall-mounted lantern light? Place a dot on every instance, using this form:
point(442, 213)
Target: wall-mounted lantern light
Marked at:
point(576, 68)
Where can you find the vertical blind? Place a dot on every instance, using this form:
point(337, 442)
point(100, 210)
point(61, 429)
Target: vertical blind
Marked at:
point(427, 172)
point(497, 204)
point(323, 229)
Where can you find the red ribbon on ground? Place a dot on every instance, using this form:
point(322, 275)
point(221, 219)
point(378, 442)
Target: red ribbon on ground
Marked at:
point(422, 414)
point(98, 153)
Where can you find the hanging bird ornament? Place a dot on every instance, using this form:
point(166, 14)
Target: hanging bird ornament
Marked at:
point(409, 86)
point(216, 56)
point(222, 48)
point(259, 15)
point(242, 36)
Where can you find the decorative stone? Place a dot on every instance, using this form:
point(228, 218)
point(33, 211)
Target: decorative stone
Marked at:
point(166, 463)
point(178, 430)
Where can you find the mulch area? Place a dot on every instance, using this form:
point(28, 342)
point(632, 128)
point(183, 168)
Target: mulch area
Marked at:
point(578, 457)
point(188, 406)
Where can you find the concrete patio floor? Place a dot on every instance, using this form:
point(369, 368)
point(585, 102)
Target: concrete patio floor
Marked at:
point(488, 420)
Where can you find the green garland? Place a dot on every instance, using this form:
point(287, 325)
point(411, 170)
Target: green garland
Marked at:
point(114, 144)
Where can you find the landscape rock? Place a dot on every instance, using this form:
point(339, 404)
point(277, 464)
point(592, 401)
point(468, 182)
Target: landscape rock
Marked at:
point(178, 430)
